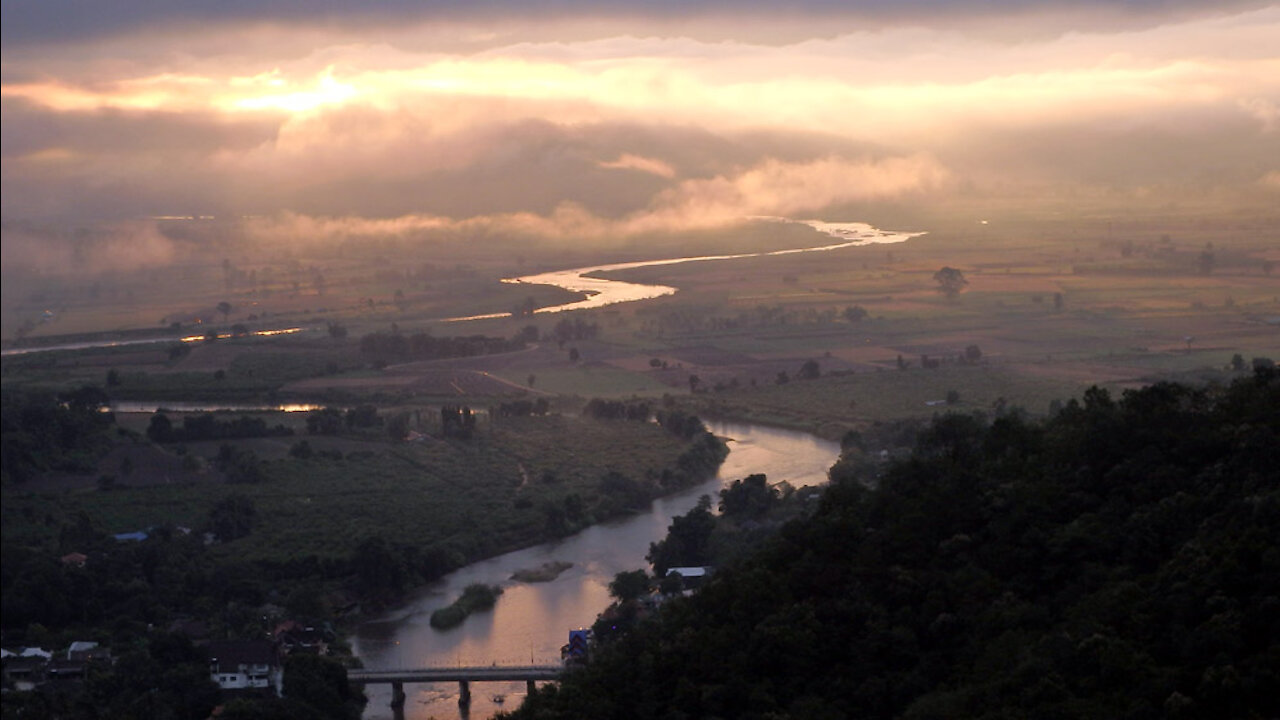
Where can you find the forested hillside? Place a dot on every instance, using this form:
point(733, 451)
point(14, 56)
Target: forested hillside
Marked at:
point(1119, 560)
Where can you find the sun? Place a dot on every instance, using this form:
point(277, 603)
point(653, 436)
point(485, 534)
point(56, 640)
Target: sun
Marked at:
point(325, 91)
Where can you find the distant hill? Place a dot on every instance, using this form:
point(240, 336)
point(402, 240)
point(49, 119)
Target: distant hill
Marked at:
point(1120, 559)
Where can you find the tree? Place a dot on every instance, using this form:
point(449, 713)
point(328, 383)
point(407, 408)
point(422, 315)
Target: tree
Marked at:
point(398, 426)
point(855, 313)
point(950, 281)
point(380, 568)
point(1206, 260)
point(809, 370)
point(325, 421)
point(750, 497)
point(321, 684)
point(574, 355)
point(688, 540)
point(224, 307)
point(694, 380)
point(973, 353)
point(627, 586)
point(363, 416)
point(160, 429)
point(232, 518)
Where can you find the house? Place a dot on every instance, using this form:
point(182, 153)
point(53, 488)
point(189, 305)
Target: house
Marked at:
point(24, 671)
point(85, 651)
point(75, 559)
point(293, 636)
point(65, 669)
point(691, 578)
point(245, 665)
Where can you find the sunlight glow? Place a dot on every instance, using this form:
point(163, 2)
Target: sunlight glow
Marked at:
point(325, 91)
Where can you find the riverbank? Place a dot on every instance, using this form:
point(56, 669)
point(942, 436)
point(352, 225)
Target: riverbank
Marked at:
point(530, 622)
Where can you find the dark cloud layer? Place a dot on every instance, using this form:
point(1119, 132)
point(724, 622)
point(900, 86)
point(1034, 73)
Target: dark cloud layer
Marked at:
point(238, 108)
point(38, 21)
point(30, 129)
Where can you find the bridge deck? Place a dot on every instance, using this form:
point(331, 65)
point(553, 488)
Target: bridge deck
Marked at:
point(492, 673)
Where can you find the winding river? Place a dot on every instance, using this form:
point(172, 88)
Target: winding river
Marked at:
point(531, 620)
point(600, 291)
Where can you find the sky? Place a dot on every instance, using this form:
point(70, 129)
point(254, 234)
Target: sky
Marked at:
point(573, 119)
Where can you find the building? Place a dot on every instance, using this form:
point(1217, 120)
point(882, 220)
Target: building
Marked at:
point(691, 578)
point(245, 665)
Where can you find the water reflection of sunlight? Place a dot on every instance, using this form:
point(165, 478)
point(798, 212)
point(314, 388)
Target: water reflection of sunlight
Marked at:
point(603, 291)
point(256, 333)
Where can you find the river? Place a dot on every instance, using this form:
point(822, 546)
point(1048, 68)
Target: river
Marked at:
point(600, 291)
point(531, 620)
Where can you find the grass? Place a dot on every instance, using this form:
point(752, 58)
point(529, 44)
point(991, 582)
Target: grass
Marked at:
point(592, 380)
point(475, 499)
point(832, 404)
point(474, 598)
point(1119, 327)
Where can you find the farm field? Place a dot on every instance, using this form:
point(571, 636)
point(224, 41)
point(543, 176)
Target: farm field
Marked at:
point(856, 339)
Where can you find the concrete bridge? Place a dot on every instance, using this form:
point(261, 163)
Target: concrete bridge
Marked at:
point(464, 676)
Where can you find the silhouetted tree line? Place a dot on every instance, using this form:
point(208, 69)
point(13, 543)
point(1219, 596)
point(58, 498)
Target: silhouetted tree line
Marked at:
point(523, 408)
point(574, 329)
point(333, 421)
point(457, 421)
point(1116, 560)
point(47, 431)
point(681, 424)
point(636, 410)
point(422, 346)
point(241, 466)
point(207, 426)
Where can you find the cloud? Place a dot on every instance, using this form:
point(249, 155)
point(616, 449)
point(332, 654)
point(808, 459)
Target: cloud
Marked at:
point(771, 187)
point(1266, 112)
point(542, 116)
point(118, 247)
point(786, 189)
point(653, 166)
point(37, 21)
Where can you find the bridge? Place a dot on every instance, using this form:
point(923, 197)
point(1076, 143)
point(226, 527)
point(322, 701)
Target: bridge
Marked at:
point(464, 676)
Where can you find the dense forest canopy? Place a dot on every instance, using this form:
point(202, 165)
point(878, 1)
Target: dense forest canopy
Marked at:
point(1116, 560)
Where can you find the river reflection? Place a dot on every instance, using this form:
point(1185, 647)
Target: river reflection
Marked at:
point(128, 406)
point(531, 621)
point(600, 291)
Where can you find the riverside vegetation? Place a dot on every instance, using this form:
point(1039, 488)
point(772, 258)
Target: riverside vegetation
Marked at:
point(319, 514)
point(1117, 559)
point(347, 516)
point(475, 597)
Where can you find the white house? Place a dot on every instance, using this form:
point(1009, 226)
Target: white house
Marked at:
point(245, 665)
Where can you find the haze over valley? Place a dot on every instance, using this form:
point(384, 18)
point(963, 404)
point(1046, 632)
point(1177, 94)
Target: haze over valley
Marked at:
point(931, 345)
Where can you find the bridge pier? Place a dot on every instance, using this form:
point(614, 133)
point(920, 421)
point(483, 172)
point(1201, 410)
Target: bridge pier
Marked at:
point(397, 695)
point(464, 693)
point(530, 686)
